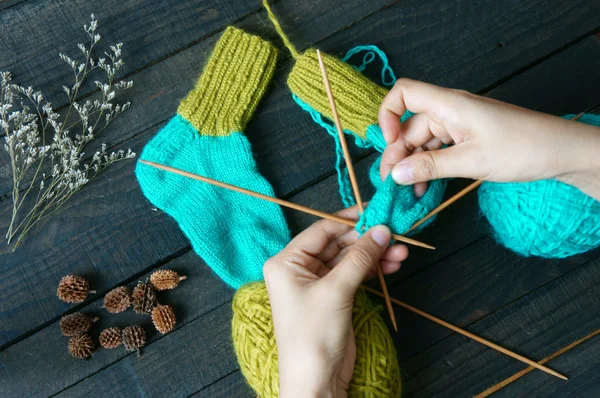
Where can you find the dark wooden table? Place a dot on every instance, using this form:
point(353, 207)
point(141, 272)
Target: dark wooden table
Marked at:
point(542, 54)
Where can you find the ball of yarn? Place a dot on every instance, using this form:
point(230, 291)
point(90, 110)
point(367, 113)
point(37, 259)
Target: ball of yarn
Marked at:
point(544, 218)
point(376, 372)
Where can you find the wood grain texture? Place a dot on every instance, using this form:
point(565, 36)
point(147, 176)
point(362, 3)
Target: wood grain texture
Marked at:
point(150, 236)
point(9, 3)
point(111, 234)
point(157, 92)
point(232, 385)
point(201, 295)
point(538, 324)
point(159, 88)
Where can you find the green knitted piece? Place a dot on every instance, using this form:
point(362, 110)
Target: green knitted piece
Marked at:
point(234, 233)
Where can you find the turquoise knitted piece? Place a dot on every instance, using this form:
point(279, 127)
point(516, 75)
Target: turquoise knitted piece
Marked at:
point(393, 205)
point(233, 233)
point(544, 218)
point(397, 206)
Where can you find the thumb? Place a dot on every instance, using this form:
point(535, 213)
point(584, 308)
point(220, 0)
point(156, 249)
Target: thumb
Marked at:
point(362, 256)
point(454, 161)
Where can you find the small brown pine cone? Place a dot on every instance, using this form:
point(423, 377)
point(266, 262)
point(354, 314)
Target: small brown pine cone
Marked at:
point(163, 318)
point(165, 279)
point(144, 298)
point(117, 300)
point(111, 338)
point(134, 338)
point(81, 345)
point(73, 324)
point(73, 289)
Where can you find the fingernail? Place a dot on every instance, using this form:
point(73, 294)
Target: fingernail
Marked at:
point(381, 235)
point(403, 173)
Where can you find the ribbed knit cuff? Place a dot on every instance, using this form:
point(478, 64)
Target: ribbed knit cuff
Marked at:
point(357, 98)
point(231, 85)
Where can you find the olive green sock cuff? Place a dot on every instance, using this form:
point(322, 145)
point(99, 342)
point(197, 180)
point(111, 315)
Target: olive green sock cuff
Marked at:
point(231, 85)
point(357, 98)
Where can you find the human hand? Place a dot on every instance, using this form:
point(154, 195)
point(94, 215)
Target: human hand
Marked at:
point(492, 140)
point(311, 285)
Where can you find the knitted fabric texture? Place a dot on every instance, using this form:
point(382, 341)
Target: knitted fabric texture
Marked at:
point(376, 371)
point(358, 100)
point(233, 233)
point(544, 218)
point(397, 207)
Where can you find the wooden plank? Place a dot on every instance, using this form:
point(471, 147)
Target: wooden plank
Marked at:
point(150, 30)
point(159, 88)
point(232, 385)
point(202, 306)
point(581, 364)
point(538, 324)
point(4, 4)
point(279, 128)
point(538, 88)
point(150, 238)
point(446, 289)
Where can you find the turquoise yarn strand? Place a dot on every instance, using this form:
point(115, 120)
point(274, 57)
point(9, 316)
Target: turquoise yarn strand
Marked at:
point(392, 205)
point(369, 57)
point(342, 173)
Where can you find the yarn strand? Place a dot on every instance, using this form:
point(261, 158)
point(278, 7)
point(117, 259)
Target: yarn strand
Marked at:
point(286, 41)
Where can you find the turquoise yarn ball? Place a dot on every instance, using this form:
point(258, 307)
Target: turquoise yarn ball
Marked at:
point(544, 218)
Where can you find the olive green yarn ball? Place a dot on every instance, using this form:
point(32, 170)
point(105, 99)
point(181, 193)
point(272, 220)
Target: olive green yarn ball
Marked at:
point(376, 372)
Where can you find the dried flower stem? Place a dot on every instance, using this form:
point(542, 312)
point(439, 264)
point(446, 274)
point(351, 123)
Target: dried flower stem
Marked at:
point(26, 133)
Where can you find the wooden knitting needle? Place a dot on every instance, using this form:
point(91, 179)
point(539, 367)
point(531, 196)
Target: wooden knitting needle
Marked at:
point(523, 372)
point(447, 203)
point(333, 218)
point(470, 335)
point(459, 195)
point(278, 201)
point(353, 180)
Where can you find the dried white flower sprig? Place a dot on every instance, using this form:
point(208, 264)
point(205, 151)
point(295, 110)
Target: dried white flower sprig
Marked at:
point(28, 120)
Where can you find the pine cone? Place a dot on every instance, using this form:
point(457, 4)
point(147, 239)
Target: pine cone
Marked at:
point(73, 324)
point(134, 338)
point(163, 318)
point(111, 338)
point(73, 289)
point(165, 279)
point(118, 300)
point(144, 298)
point(81, 345)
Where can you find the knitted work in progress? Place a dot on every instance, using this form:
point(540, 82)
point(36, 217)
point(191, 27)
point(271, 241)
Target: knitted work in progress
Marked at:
point(544, 218)
point(358, 100)
point(399, 208)
point(233, 233)
point(376, 371)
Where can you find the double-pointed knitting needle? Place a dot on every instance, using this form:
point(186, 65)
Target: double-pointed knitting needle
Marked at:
point(322, 215)
point(472, 336)
point(459, 195)
point(525, 371)
point(278, 201)
point(355, 188)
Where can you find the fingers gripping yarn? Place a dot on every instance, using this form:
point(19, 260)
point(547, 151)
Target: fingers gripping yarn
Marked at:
point(544, 218)
point(358, 100)
point(376, 372)
point(233, 233)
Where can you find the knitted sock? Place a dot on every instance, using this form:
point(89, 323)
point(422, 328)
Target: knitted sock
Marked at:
point(357, 100)
point(234, 233)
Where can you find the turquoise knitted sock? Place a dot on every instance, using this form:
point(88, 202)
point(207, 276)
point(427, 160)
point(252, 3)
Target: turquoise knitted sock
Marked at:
point(234, 233)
